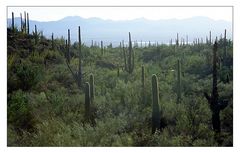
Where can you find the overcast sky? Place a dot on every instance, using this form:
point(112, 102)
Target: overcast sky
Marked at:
point(123, 13)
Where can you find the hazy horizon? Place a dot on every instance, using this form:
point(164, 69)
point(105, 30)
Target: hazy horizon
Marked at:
point(45, 14)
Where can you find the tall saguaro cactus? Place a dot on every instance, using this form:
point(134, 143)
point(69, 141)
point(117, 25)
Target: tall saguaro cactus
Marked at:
point(28, 24)
point(130, 63)
point(92, 87)
point(179, 84)
point(177, 40)
point(25, 22)
point(102, 47)
point(155, 104)
point(52, 41)
point(12, 21)
point(215, 105)
point(78, 76)
point(36, 34)
point(124, 56)
point(87, 101)
point(21, 22)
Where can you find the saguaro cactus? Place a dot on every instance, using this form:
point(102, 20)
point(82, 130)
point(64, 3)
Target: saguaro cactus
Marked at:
point(155, 104)
point(35, 34)
point(131, 56)
point(215, 105)
point(52, 41)
point(124, 56)
point(179, 81)
point(25, 22)
point(78, 75)
point(102, 47)
point(28, 24)
point(87, 101)
point(92, 87)
point(12, 21)
point(21, 21)
point(177, 40)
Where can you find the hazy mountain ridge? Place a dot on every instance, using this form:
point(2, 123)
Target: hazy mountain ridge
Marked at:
point(141, 29)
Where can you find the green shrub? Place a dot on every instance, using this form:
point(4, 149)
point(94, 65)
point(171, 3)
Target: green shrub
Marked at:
point(19, 111)
point(28, 74)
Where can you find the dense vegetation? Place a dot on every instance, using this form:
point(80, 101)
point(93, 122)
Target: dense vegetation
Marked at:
point(47, 105)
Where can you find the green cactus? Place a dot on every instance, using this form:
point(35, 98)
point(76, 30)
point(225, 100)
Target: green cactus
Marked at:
point(12, 21)
point(177, 40)
point(87, 101)
point(52, 41)
point(179, 84)
point(78, 75)
point(102, 47)
point(21, 22)
point(25, 22)
point(92, 87)
point(35, 34)
point(131, 56)
point(155, 104)
point(124, 56)
point(215, 105)
point(28, 24)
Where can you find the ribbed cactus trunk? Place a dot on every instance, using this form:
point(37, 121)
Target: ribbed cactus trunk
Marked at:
point(92, 87)
point(215, 105)
point(102, 47)
point(52, 41)
point(80, 58)
point(25, 22)
point(21, 21)
point(87, 101)
point(131, 56)
point(177, 41)
point(155, 104)
point(28, 29)
point(36, 34)
point(179, 82)
point(68, 48)
point(124, 57)
point(12, 21)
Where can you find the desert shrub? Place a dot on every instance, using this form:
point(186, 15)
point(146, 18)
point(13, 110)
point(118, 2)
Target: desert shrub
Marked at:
point(35, 57)
point(28, 74)
point(53, 57)
point(19, 111)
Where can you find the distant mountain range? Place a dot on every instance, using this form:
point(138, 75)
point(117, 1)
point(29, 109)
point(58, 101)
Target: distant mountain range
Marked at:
point(97, 29)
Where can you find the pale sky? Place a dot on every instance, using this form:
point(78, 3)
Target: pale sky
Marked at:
point(123, 13)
